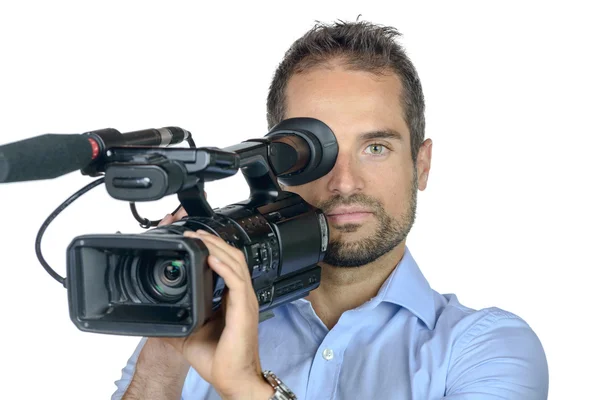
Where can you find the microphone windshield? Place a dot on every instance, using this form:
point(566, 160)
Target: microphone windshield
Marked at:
point(44, 157)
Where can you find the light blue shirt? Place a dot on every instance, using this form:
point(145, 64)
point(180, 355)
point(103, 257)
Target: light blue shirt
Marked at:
point(408, 342)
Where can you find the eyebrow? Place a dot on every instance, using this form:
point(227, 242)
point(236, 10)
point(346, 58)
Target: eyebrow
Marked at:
point(381, 134)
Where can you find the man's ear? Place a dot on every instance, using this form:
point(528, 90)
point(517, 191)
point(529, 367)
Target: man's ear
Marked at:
point(424, 163)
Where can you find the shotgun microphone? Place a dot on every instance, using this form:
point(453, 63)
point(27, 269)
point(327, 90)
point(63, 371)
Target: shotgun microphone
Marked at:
point(52, 155)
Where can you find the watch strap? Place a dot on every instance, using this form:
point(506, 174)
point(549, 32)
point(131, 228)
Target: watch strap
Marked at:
point(282, 392)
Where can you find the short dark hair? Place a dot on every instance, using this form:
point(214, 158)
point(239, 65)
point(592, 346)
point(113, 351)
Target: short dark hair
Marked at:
point(359, 46)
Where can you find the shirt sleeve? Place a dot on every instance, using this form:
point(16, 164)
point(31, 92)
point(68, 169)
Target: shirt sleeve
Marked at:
point(127, 372)
point(500, 357)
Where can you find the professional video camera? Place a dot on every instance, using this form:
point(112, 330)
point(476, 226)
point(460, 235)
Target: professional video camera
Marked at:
point(158, 283)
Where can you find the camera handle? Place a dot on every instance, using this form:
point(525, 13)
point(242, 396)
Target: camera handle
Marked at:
point(194, 202)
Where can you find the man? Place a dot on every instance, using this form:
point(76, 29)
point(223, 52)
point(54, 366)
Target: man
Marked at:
point(374, 329)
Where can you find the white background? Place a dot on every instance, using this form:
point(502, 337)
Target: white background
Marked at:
point(510, 217)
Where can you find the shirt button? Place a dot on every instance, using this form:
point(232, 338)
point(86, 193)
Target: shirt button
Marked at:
point(327, 354)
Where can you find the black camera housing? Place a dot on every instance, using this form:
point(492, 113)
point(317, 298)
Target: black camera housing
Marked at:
point(133, 284)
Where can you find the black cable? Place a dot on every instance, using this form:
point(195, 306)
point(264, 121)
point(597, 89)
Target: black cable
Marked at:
point(145, 222)
point(38, 239)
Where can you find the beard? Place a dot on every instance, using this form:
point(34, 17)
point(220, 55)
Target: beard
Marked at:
point(389, 232)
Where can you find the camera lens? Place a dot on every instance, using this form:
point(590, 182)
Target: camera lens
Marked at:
point(168, 279)
point(172, 272)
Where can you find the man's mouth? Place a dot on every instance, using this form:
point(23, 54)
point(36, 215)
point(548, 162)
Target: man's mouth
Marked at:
point(347, 215)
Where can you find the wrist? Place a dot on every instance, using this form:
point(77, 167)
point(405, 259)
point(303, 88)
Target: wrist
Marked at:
point(260, 390)
point(145, 386)
point(263, 391)
point(159, 357)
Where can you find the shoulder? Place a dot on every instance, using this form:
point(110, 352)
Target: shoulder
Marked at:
point(468, 322)
point(492, 349)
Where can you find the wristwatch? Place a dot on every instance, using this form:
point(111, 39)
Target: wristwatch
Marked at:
point(282, 392)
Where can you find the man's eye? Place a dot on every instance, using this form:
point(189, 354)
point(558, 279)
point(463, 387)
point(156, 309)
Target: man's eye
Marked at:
point(376, 149)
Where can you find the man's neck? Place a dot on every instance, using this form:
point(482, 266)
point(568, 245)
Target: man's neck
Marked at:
point(345, 288)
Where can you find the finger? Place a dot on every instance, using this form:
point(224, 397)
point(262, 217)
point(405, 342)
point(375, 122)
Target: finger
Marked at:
point(222, 253)
point(210, 331)
point(232, 254)
point(233, 280)
point(239, 301)
point(168, 219)
point(222, 244)
point(240, 305)
point(226, 258)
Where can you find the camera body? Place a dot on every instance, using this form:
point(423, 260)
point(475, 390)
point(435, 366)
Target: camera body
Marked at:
point(158, 283)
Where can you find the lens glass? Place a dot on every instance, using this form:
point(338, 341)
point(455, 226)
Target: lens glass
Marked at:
point(165, 278)
point(172, 272)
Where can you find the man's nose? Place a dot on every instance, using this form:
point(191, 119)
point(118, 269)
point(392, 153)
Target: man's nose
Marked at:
point(345, 178)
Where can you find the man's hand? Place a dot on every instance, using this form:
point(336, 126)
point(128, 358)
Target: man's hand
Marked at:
point(224, 351)
point(169, 219)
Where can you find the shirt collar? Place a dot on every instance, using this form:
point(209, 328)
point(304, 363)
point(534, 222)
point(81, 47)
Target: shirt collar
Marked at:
point(407, 287)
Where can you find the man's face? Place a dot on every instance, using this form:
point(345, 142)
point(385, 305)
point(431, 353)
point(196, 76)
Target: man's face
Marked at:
point(369, 196)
